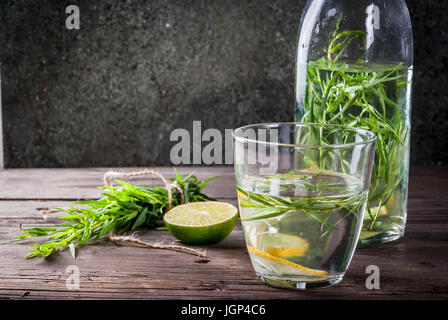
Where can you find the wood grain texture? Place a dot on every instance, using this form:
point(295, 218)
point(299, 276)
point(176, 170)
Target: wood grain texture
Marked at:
point(73, 184)
point(415, 267)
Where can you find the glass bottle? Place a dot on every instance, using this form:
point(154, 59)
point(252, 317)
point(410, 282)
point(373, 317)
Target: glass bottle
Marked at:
point(354, 67)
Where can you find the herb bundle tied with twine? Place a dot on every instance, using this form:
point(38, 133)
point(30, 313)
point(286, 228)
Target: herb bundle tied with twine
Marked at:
point(122, 208)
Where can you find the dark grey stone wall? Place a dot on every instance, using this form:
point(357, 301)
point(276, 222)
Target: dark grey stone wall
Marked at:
point(110, 93)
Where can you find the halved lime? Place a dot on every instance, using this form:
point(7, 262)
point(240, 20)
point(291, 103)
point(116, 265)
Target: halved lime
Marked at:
point(201, 222)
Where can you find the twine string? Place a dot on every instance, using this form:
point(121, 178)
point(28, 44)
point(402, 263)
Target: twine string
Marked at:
point(168, 186)
point(157, 245)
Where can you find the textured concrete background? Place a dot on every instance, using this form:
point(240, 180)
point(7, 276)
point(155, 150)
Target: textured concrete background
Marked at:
point(111, 93)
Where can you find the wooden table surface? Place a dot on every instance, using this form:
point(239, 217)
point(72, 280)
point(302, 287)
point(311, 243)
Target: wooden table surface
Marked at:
point(415, 267)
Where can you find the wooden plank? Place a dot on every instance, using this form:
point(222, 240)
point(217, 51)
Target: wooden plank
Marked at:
point(27, 213)
point(414, 267)
point(110, 271)
point(82, 183)
point(130, 272)
point(123, 272)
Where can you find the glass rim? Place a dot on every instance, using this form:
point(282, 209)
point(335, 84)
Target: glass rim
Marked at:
point(370, 136)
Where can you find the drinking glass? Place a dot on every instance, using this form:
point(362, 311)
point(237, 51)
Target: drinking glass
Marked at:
point(302, 191)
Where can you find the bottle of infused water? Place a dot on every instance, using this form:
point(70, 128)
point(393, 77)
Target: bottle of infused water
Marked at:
point(354, 67)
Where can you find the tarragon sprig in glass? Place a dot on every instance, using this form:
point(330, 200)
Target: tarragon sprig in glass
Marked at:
point(268, 206)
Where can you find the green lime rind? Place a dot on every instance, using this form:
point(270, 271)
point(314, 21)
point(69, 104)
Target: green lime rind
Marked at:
point(203, 235)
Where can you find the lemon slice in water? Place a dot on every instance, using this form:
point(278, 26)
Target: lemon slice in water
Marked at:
point(284, 266)
point(284, 245)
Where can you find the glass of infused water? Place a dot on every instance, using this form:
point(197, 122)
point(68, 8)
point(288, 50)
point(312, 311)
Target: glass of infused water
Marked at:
point(302, 192)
